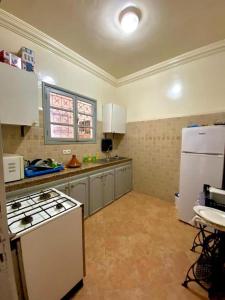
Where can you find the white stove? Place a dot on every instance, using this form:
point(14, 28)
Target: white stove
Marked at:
point(27, 212)
point(43, 227)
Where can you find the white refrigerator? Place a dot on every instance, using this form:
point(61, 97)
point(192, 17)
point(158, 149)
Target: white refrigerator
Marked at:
point(202, 162)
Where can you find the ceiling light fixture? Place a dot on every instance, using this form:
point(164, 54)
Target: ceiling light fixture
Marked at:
point(129, 19)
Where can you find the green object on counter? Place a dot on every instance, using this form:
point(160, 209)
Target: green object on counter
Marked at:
point(94, 158)
point(85, 158)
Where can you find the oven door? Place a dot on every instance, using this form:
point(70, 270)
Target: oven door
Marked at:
point(52, 256)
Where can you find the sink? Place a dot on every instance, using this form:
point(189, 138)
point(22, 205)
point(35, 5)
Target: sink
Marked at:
point(111, 159)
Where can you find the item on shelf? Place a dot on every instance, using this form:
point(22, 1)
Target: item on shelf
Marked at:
point(15, 61)
point(74, 162)
point(5, 57)
point(10, 59)
point(27, 59)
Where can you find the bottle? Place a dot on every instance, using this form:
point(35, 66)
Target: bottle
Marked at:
point(89, 158)
point(85, 158)
point(93, 159)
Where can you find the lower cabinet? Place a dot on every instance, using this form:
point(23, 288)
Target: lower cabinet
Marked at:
point(102, 190)
point(96, 192)
point(64, 188)
point(123, 177)
point(108, 187)
point(79, 191)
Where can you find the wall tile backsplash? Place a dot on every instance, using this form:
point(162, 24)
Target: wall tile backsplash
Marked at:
point(153, 145)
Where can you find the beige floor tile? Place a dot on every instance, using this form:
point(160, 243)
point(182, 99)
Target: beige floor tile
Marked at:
point(137, 249)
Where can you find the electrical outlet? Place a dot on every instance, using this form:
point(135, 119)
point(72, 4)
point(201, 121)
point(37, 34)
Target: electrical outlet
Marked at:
point(66, 151)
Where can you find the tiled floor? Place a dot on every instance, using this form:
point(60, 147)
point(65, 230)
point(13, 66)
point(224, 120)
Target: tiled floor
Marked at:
point(137, 249)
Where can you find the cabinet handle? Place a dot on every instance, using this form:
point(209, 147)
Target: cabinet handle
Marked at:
point(72, 186)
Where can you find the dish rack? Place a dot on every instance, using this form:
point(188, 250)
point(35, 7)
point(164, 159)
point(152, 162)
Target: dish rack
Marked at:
point(31, 171)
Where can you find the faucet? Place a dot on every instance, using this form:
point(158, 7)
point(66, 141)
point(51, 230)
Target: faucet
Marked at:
point(108, 154)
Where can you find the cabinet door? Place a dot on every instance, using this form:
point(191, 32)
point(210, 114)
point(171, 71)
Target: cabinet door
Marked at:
point(79, 191)
point(120, 184)
point(118, 119)
point(109, 190)
point(19, 105)
point(128, 178)
point(123, 180)
point(64, 188)
point(96, 192)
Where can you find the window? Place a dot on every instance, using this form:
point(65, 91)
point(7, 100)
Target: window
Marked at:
point(69, 118)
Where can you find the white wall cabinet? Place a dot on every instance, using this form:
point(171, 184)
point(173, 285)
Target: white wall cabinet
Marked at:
point(114, 118)
point(18, 96)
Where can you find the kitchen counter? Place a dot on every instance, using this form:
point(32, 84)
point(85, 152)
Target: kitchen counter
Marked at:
point(68, 172)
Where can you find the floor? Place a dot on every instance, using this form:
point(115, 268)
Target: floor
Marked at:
point(136, 249)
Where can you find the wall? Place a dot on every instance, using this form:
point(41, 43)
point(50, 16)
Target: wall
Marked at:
point(158, 107)
point(193, 88)
point(56, 70)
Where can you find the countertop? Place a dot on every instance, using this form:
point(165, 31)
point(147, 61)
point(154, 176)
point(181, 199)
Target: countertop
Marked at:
point(68, 172)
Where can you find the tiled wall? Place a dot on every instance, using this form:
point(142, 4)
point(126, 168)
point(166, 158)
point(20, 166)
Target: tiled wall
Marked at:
point(155, 149)
point(153, 145)
point(32, 145)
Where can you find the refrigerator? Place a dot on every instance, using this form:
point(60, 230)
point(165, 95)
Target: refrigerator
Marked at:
point(7, 280)
point(202, 162)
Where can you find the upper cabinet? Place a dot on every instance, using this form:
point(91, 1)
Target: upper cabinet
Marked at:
point(114, 118)
point(18, 96)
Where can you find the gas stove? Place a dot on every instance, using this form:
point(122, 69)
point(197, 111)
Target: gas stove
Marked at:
point(26, 213)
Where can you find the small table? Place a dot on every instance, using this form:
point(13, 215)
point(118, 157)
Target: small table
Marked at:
point(209, 269)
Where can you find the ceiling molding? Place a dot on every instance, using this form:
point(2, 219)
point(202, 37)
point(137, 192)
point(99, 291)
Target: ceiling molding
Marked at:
point(173, 62)
point(36, 36)
point(31, 33)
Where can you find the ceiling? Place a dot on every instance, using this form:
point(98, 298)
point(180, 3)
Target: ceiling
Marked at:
point(90, 27)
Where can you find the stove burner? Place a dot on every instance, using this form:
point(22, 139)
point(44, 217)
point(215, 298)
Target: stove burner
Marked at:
point(45, 196)
point(16, 205)
point(27, 220)
point(59, 205)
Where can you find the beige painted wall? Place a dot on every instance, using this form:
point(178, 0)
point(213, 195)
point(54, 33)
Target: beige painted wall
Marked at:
point(60, 71)
point(193, 88)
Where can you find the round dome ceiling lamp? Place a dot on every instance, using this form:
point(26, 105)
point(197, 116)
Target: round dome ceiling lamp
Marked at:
point(129, 19)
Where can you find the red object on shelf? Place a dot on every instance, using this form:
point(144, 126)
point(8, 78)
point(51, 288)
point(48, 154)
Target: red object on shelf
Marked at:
point(5, 57)
point(10, 59)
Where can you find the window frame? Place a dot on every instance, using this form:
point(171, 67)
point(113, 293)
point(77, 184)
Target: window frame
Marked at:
point(46, 89)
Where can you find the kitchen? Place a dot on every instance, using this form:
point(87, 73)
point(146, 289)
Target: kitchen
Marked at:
point(180, 83)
